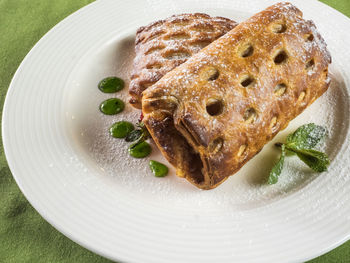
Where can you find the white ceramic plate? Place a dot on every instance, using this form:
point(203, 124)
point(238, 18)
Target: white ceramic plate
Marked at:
point(85, 184)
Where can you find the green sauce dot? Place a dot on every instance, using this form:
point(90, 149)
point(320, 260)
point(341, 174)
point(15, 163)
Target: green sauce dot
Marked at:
point(120, 129)
point(158, 169)
point(140, 149)
point(111, 85)
point(112, 106)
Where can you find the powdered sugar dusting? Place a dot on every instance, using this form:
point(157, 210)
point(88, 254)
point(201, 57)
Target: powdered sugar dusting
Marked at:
point(170, 42)
point(244, 190)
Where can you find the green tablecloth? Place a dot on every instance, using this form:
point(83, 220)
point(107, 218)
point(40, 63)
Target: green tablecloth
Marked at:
point(24, 235)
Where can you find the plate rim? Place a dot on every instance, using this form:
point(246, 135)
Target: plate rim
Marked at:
point(19, 182)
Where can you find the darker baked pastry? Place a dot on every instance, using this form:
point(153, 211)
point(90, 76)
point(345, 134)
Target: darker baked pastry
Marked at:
point(213, 113)
point(165, 44)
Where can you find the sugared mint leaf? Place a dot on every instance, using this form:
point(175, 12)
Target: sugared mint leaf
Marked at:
point(277, 169)
point(301, 142)
point(140, 134)
point(133, 135)
point(316, 160)
point(306, 136)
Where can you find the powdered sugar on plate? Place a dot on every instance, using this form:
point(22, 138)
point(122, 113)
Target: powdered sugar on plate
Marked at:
point(244, 190)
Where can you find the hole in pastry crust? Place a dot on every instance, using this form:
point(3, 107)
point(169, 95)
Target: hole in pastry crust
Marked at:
point(214, 107)
point(247, 81)
point(216, 145)
point(214, 75)
point(310, 64)
point(246, 50)
point(309, 37)
point(280, 57)
point(209, 73)
point(301, 96)
point(241, 150)
point(280, 89)
point(249, 115)
point(278, 28)
point(177, 55)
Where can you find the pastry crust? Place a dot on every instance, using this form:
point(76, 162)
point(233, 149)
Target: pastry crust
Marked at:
point(163, 45)
point(212, 114)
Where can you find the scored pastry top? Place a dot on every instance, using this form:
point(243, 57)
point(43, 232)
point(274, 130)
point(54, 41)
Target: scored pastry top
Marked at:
point(213, 113)
point(165, 44)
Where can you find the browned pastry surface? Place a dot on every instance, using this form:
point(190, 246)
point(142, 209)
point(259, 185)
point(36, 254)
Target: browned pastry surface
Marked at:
point(165, 44)
point(213, 113)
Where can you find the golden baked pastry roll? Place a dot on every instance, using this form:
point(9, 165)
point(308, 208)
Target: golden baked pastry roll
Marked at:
point(165, 44)
point(213, 113)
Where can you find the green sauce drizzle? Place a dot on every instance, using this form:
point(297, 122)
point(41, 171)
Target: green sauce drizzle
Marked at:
point(112, 106)
point(111, 85)
point(158, 169)
point(140, 149)
point(120, 129)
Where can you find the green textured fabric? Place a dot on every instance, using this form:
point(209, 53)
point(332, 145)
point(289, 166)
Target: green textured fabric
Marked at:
point(24, 235)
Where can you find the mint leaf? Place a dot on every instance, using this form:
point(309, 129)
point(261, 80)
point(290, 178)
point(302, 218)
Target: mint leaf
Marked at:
point(288, 153)
point(277, 169)
point(316, 160)
point(144, 130)
point(140, 134)
point(306, 136)
point(133, 135)
point(300, 143)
